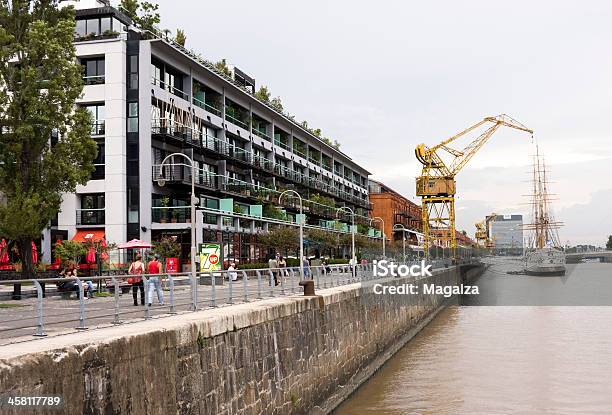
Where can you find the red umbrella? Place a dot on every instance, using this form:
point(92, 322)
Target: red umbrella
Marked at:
point(34, 253)
point(91, 256)
point(4, 258)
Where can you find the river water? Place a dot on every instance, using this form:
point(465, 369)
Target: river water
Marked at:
point(496, 357)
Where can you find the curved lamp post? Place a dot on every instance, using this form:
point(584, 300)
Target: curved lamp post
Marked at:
point(161, 182)
point(403, 228)
point(301, 227)
point(353, 257)
point(383, 232)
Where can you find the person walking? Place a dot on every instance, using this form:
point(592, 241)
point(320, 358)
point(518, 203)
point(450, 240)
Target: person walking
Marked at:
point(154, 269)
point(282, 265)
point(306, 265)
point(136, 269)
point(273, 265)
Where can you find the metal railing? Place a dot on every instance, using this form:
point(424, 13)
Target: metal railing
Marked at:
point(98, 127)
point(90, 217)
point(46, 308)
point(206, 106)
point(94, 80)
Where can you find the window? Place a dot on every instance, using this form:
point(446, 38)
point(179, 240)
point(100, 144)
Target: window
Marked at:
point(92, 209)
point(93, 70)
point(156, 74)
point(133, 72)
point(81, 28)
point(105, 25)
point(97, 115)
point(99, 163)
point(93, 27)
point(132, 126)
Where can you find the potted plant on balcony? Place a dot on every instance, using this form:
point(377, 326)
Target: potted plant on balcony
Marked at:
point(175, 215)
point(165, 202)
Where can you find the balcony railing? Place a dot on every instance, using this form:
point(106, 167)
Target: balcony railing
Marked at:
point(99, 172)
point(263, 163)
point(299, 152)
point(206, 106)
point(281, 145)
point(236, 121)
point(94, 80)
point(90, 217)
point(181, 173)
point(171, 214)
point(170, 88)
point(98, 127)
point(261, 134)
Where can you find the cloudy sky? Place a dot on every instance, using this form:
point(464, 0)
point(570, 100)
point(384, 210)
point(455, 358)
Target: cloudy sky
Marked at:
point(381, 77)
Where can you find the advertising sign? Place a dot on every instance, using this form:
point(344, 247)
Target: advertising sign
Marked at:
point(210, 257)
point(172, 265)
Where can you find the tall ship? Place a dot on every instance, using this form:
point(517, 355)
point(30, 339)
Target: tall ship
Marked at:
point(543, 255)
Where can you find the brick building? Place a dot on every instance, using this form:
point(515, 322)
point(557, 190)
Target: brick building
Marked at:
point(394, 209)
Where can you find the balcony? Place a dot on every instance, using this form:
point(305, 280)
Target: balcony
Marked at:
point(90, 217)
point(94, 80)
point(236, 121)
point(171, 214)
point(263, 163)
point(170, 88)
point(207, 107)
point(181, 173)
point(98, 127)
point(262, 134)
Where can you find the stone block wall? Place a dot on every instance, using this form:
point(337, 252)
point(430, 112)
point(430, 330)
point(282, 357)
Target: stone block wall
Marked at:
point(292, 355)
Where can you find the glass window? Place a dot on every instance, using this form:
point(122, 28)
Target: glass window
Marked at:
point(132, 125)
point(92, 201)
point(81, 28)
point(133, 63)
point(93, 26)
point(118, 26)
point(133, 109)
point(105, 24)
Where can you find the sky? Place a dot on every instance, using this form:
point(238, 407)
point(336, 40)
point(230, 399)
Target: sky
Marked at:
point(382, 77)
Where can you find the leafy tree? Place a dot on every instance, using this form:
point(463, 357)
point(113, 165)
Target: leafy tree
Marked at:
point(321, 238)
point(70, 251)
point(45, 143)
point(263, 94)
point(167, 247)
point(145, 15)
point(222, 67)
point(274, 212)
point(609, 243)
point(277, 104)
point(180, 37)
point(281, 239)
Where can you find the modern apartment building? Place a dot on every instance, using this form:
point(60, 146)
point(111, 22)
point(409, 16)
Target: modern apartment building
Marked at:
point(151, 98)
point(396, 209)
point(507, 233)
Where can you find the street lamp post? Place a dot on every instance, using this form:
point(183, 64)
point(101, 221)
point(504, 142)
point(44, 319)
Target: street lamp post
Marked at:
point(161, 182)
point(383, 232)
point(403, 238)
point(345, 208)
point(301, 228)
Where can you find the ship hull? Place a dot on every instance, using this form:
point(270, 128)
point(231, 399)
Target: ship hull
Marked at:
point(545, 262)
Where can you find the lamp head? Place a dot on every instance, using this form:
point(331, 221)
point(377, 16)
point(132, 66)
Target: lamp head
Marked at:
point(161, 182)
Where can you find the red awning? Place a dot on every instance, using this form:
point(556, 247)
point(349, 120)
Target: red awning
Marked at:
point(92, 235)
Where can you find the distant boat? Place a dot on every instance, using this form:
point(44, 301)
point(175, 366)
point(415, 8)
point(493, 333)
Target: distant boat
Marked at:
point(544, 255)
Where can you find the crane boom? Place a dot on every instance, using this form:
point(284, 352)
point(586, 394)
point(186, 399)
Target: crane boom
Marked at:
point(436, 185)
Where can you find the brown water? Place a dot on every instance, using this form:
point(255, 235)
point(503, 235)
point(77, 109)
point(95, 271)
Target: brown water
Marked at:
point(501, 360)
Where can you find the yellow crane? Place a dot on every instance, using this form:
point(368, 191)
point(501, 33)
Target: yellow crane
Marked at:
point(481, 234)
point(436, 185)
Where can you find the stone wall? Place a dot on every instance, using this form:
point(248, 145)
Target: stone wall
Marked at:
point(278, 356)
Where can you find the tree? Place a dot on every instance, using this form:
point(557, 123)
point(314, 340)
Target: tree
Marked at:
point(222, 67)
point(167, 247)
point(609, 243)
point(147, 19)
point(280, 239)
point(277, 104)
point(45, 143)
point(180, 37)
point(70, 251)
point(263, 94)
point(322, 239)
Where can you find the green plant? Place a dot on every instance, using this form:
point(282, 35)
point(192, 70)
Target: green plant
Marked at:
point(180, 37)
point(70, 251)
point(222, 67)
point(263, 94)
point(167, 247)
point(280, 239)
point(165, 201)
point(40, 80)
point(274, 212)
